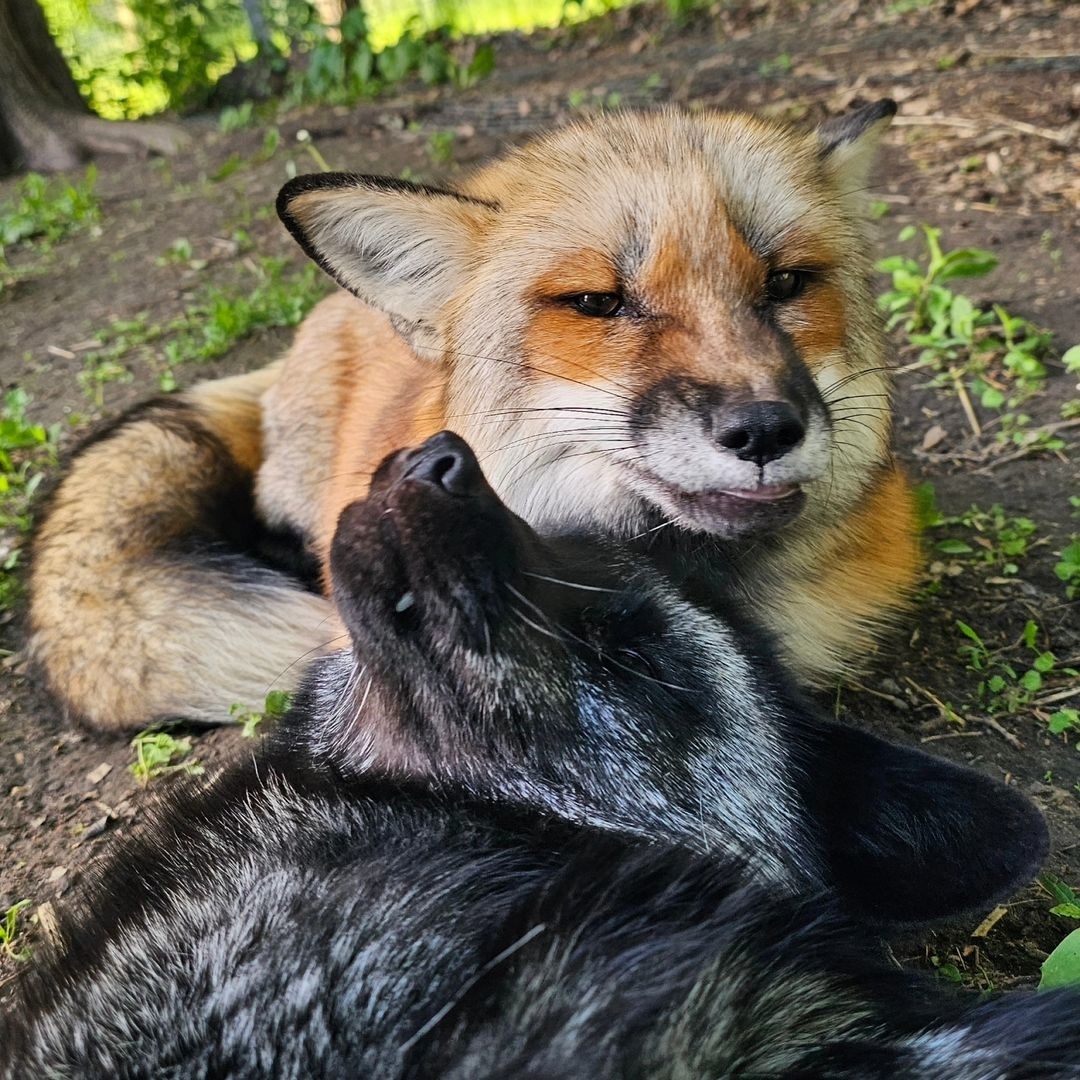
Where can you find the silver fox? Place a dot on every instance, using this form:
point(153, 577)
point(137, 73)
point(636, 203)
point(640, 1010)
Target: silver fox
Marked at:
point(545, 818)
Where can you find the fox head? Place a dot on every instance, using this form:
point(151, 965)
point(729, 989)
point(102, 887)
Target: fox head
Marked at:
point(573, 679)
point(642, 318)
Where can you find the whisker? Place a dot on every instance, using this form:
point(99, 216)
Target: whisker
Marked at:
point(568, 584)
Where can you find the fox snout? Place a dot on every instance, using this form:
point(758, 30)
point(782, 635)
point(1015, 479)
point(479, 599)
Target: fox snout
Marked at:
point(731, 462)
point(758, 431)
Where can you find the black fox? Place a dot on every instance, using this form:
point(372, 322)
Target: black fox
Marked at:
point(546, 818)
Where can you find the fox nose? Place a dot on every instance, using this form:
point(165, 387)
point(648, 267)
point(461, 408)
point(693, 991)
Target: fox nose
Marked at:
point(760, 431)
point(446, 461)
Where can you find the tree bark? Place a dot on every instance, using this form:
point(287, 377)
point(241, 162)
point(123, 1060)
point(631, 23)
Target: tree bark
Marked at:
point(44, 123)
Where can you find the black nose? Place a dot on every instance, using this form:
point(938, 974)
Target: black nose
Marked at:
point(760, 431)
point(446, 461)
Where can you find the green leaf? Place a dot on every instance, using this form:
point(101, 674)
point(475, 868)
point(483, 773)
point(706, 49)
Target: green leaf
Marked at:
point(277, 703)
point(968, 632)
point(1044, 662)
point(1071, 359)
point(1031, 681)
point(954, 547)
point(1067, 911)
point(1064, 720)
point(966, 262)
point(1062, 966)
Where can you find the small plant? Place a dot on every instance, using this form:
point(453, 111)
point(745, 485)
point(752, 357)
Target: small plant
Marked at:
point(779, 65)
point(919, 299)
point(158, 753)
point(1000, 541)
point(27, 451)
point(1066, 902)
point(44, 211)
point(1002, 355)
point(211, 325)
point(1068, 569)
point(1006, 687)
point(236, 117)
point(1064, 720)
point(10, 933)
point(344, 67)
point(220, 318)
point(48, 210)
point(440, 147)
point(276, 706)
point(1062, 966)
point(600, 100)
point(180, 253)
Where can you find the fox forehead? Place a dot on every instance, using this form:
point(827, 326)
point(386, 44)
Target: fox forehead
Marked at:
point(613, 186)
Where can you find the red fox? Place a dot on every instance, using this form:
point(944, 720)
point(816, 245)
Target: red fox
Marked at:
point(658, 327)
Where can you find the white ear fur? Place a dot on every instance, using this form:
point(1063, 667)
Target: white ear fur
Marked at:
point(849, 143)
point(402, 248)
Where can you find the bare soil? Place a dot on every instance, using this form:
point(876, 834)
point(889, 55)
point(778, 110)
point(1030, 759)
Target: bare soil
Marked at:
point(985, 148)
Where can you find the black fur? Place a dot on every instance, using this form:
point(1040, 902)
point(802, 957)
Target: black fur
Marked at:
point(513, 835)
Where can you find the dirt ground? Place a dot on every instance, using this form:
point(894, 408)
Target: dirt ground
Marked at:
point(984, 147)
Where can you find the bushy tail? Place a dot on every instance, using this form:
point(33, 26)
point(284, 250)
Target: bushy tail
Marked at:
point(1018, 1037)
point(147, 596)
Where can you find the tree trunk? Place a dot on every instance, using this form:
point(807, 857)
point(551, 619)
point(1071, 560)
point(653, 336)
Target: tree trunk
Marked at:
point(44, 123)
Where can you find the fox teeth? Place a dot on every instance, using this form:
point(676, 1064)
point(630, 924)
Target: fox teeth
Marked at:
point(407, 600)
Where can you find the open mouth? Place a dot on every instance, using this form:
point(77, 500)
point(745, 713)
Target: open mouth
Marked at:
point(728, 513)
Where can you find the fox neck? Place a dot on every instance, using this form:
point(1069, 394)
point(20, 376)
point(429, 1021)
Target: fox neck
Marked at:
point(722, 789)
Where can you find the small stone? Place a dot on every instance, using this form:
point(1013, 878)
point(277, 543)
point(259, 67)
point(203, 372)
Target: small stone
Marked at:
point(933, 436)
point(95, 776)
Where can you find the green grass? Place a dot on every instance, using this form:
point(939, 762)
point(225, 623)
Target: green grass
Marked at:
point(10, 932)
point(277, 704)
point(157, 753)
point(27, 451)
point(1002, 354)
point(1013, 678)
point(43, 212)
point(995, 540)
point(215, 320)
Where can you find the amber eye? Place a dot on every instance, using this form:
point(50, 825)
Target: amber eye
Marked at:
point(785, 284)
point(601, 304)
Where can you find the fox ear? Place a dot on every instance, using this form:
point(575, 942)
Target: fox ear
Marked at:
point(848, 143)
point(911, 838)
point(403, 248)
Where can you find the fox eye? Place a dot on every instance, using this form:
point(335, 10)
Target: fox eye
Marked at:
point(783, 285)
point(598, 304)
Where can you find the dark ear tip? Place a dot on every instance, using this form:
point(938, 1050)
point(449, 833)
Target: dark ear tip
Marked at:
point(299, 185)
point(849, 126)
point(886, 107)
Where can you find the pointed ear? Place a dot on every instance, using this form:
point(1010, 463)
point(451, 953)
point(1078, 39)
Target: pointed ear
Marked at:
point(403, 248)
point(910, 838)
point(849, 143)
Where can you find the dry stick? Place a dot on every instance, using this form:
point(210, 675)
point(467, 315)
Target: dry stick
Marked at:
point(1063, 136)
point(952, 735)
point(947, 711)
point(1061, 695)
point(900, 703)
point(965, 401)
point(990, 921)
